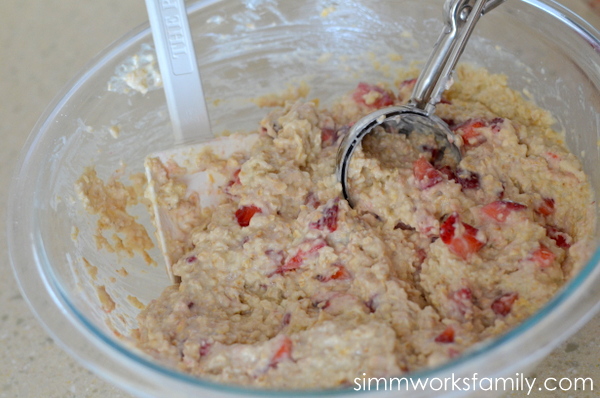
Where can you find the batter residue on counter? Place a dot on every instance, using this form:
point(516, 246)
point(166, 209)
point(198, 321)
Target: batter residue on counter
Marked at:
point(286, 286)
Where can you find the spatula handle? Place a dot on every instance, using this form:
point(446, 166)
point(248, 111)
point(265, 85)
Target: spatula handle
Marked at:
point(179, 70)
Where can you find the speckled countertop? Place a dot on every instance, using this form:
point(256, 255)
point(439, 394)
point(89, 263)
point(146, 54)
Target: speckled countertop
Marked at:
point(44, 43)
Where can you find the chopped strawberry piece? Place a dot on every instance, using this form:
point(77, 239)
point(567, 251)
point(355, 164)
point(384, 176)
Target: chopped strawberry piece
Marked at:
point(329, 219)
point(371, 304)
point(421, 256)
point(204, 348)
point(321, 301)
point(276, 256)
point(284, 352)
point(341, 273)
point(328, 136)
point(503, 304)
point(496, 124)
point(467, 179)
point(434, 152)
point(236, 177)
point(245, 213)
point(449, 122)
point(362, 95)
point(463, 299)
point(501, 209)
point(562, 239)
point(301, 255)
point(546, 208)
point(500, 193)
point(448, 172)
point(292, 264)
point(235, 180)
point(425, 174)
point(403, 226)
point(461, 238)
point(469, 131)
point(463, 294)
point(447, 336)
point(543, 256)
point(312, 200)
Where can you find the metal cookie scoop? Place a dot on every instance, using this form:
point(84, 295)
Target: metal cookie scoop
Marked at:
point(417, 116)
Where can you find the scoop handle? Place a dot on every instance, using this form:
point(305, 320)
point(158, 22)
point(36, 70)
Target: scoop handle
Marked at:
point(461, 16)
point(179, 70)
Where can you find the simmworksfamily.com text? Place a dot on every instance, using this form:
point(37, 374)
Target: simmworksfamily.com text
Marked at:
point(474, 383)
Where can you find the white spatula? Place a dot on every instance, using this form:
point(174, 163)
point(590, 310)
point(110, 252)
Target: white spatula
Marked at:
point(191, 125)
point(179, 70)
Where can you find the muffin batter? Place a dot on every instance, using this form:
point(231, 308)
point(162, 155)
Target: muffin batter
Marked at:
point(283, 285)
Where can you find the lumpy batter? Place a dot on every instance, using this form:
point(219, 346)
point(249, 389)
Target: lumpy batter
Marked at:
point(285, 286)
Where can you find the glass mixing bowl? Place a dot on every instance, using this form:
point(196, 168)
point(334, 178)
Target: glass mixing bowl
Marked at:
point(247, 49)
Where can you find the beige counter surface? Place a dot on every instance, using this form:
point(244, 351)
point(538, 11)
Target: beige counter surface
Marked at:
point(43, 44)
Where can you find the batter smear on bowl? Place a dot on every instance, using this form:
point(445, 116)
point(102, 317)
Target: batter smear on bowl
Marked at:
point(283, 285)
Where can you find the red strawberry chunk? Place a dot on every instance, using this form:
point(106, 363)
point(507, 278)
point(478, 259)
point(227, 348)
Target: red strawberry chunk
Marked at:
point(466, 179)
point(434, 152)
point(503, 304)
point(403, 226)
point(341, 273)
point(292, 264)
point(496, 124)
point(463, 299)
point(245, 213)
point(501, 209)
point(461, 238)
point(235, 180)
point(421, 256)
point(469, 131)
point(312, 200)
point(448, 172)
point(447, 336)
point(562, 239)
point(543, 257)
point(382, 98)
point(301, 255)
point(236, 177)
point(284, 352)
point(328, 136)
point(204, 348)
point(546, 208)
point(425, 174)
point(371, 304)
point(329, 219)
